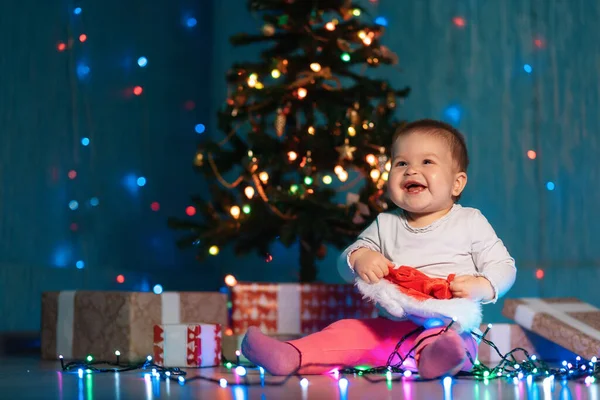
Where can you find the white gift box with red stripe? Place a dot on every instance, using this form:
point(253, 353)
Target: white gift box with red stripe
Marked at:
point(187, 345)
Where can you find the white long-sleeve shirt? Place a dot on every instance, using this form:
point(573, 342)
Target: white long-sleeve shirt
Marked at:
point(462, 242)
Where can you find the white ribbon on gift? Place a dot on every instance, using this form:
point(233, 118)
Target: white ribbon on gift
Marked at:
point(288, 309)
point(64, 323)
point(170, 314)
point(175, 345)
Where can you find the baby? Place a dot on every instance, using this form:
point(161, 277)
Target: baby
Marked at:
point(429, 232)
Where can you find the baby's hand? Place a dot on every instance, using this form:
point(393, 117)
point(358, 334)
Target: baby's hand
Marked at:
point(472, 287)
point(370, 265)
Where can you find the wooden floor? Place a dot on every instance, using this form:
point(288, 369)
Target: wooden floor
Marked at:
point(30, 378)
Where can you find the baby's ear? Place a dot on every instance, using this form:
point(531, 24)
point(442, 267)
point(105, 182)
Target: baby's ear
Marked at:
point(460, 181)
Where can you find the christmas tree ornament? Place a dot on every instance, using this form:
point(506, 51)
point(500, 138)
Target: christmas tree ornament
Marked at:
point(280, 121)
point(282, 66)
point(322, 252)
point(353, 115)
point(306, 165)
point(391, 100)
point(240, 99)
point(251, 162)
point(199, 159)
point(346, 151)
point(268, 30)
point(344, 45)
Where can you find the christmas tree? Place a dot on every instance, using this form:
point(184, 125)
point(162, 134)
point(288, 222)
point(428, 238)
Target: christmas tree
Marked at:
point(301, 126)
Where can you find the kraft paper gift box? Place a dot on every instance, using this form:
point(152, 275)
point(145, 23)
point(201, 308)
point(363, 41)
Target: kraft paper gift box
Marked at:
point(568, 322)
point(187, 345)
point(78, 323)
point(288, 308)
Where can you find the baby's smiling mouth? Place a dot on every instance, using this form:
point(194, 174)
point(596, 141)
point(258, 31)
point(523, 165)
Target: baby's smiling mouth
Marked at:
point(414, 187)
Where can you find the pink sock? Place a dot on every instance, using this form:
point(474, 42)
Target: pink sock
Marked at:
point(277, 358)
point(445, 355)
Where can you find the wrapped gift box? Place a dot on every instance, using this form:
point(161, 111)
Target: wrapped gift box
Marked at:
point(187, 345)
point(78, 323)
point(295, 308)
point(506, 337)
point(568, 322)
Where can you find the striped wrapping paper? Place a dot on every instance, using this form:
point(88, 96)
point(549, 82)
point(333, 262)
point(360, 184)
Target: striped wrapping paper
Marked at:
point(187, 345)
point(568, 322)
point(288, 308)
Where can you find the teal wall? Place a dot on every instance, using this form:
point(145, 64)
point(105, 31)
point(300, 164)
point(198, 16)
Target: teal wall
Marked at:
point(472, 76)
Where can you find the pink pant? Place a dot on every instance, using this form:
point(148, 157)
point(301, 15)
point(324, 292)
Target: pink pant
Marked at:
point(355, 342)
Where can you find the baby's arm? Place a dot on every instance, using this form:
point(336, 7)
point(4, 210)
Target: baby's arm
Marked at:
point(369, 238)
point(491, 258)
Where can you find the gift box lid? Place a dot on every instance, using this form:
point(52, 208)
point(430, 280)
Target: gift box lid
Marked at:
point(568, 322)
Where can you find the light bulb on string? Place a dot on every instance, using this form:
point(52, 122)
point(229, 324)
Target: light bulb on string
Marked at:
point(345, 57)
point(539, 273)
point(213, 250)
point(246, 209)
point(263, 176)
point(351, 131)
point(308, 180)
point(249, 192)
point(275, 73)
point(343, 176)
point(330, 26)
point(385, 175)
point(302, 92)
point(388, 165)
point(362, 35)
point(294, 188)
point(367, 41)
point(327, 179)
point(356, 12)
point(235, 212)
point(311, 130)
point(230, 280)
point(338, 169)
point(375, 174)
point(316, 67)
point(370, 158)
point(292, 155)
point(252, 79)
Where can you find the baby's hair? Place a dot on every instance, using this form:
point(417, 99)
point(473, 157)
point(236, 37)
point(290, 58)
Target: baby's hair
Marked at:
point(453, 137)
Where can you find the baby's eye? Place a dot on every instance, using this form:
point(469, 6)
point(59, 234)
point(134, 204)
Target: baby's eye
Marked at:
point(401, 164)
point(427, 161)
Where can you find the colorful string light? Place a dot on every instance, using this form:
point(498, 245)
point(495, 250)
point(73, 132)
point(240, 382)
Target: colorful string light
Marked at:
point(527, 367)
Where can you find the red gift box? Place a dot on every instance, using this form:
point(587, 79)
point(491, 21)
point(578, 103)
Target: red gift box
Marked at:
point(187, 345)
point(295, 308)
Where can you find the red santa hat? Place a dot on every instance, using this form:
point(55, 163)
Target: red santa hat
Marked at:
point(406, 292)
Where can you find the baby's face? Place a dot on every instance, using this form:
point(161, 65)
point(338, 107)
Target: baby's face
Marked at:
point(423, 178)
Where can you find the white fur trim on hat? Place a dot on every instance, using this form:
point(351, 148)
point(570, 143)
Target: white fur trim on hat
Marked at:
point(467, 313)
